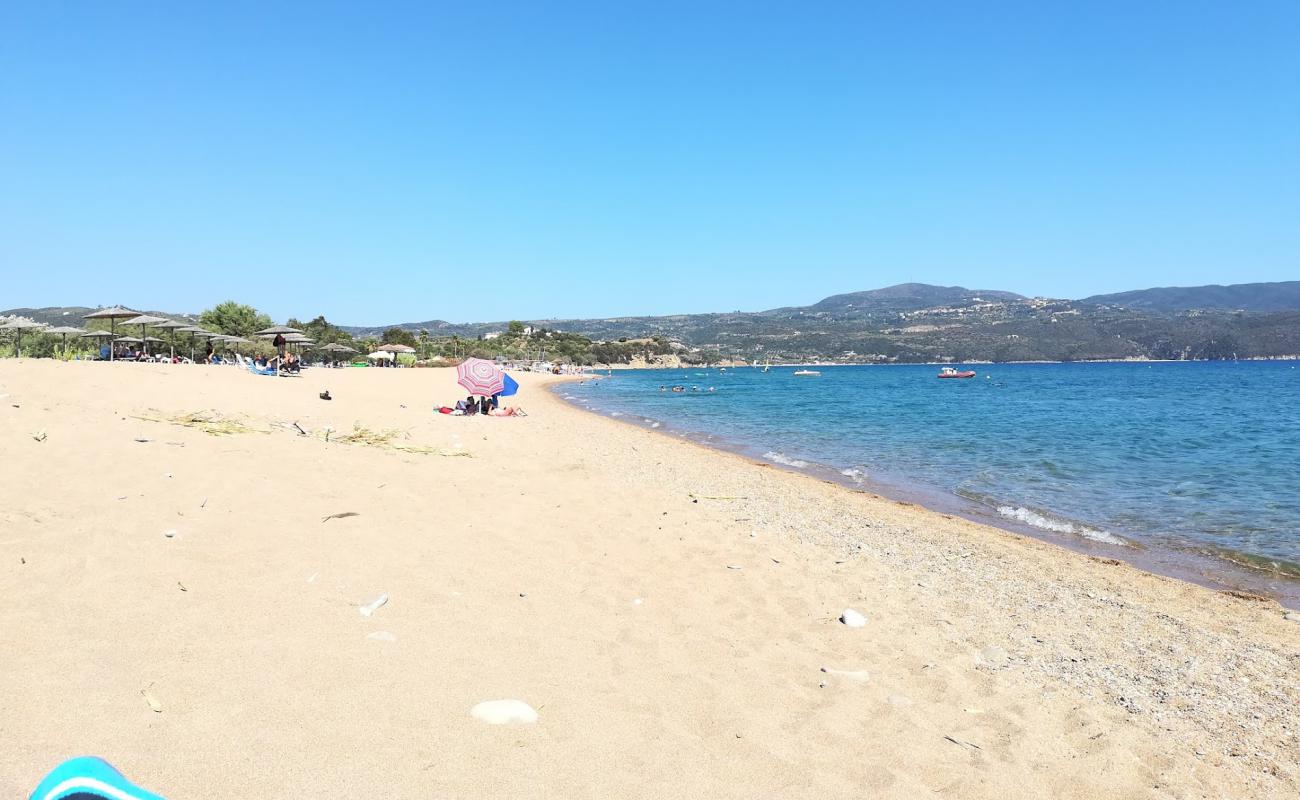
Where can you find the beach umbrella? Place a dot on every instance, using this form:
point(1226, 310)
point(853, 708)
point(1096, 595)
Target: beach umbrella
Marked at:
point(480, 377)
point(193, 331)
point(127, 340)
point(64, 330)
point(143, 320)
point(335, 347)
point(112, 315)
point(397, 348)
point(18, 326)
point(274, 329)
point(384, 354)
point(171, 326)
point(277, 330)
point(99, 335)
point(509, 386)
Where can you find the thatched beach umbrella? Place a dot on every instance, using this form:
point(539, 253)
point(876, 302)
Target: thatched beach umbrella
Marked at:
point(99, 335)
point(18, 326)
point(112, 315)
point(143, 320)
point(193, 331)
point(171, 326)
point(337, 349)
point(277, 330)
point(64, 330)
point(128, 340)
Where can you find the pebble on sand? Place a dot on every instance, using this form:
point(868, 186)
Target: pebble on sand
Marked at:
point(503, 712)
point(853, 619)
point(1292, 616)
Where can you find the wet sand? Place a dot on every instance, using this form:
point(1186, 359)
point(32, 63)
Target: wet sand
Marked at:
point(666, 609)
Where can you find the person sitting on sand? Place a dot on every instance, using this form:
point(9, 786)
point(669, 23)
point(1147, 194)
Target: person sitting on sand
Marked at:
point(471, 406)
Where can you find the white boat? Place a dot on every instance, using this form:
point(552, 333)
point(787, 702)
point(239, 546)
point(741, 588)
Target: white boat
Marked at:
point(812, 373)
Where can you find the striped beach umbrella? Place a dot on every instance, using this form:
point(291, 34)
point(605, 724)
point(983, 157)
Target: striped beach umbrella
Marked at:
point(480, 376)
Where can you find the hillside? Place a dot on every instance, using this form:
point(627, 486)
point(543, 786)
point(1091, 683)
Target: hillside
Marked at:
point(1278, 296)
point(917, 322)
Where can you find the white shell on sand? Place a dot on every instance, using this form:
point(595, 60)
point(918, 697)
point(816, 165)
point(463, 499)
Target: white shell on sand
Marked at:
point(853, 619)
point(170, 533)
point(373, 605)
point(503, 712)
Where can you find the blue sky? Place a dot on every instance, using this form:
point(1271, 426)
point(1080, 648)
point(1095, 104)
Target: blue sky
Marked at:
point(384, 162)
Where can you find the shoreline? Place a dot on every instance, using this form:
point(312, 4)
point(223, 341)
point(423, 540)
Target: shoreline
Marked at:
point(1209, 570)
point(185, 603)
point(977, 362)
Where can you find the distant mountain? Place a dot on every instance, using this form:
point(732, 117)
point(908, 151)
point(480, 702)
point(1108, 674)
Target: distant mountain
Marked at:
point(75, 315)
point(1279, 296)
point(916, 322)
point(909, 297)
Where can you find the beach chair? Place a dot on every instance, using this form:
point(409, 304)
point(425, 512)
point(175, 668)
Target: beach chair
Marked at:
point(88, 778)
point(253, 368)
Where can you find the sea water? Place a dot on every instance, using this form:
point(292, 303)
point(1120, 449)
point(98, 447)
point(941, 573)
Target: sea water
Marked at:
point(1197, 456)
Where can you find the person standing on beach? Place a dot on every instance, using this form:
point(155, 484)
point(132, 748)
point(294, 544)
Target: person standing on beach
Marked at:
point(278, 344)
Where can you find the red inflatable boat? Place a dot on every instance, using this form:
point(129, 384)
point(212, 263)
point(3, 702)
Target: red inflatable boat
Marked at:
point(949, 372)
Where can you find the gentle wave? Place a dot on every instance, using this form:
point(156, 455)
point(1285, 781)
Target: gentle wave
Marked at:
point(1041, 521)
point(1135, 465)
point(784, 460)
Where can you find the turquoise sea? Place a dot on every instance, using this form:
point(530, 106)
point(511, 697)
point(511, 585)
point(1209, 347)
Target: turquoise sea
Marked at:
point(1198, 458)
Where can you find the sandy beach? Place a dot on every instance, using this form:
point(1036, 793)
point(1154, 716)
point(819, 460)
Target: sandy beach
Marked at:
point(176, 599)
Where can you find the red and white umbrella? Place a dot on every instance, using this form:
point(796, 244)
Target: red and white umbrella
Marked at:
point(480, 376)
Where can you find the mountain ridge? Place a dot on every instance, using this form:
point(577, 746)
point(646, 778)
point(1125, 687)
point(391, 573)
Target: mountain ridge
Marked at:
point(1272, 296)
point(920, 322)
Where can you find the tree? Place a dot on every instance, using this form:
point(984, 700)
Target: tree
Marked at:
point(234, 318)
point(424, 340)
point(324, 332)
point(398, 336)
point(516, 329)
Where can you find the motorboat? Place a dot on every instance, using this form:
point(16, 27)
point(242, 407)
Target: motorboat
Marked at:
point(953, 372)
point(811, 373)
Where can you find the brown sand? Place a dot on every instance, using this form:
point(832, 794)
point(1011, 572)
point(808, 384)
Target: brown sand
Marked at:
point(997, 666)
